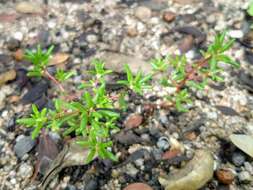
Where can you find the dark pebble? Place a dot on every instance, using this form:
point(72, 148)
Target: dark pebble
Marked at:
point(227, 110)
point(246, 79)
point(249, 57)
point(41, 102)
point(91, 185)
point(35, 93)
point(70, 187)
point(21, 78)
point(11, 125)
point(195, 32)
point(5, 60)
point(219, 87)
point(43, 38)
point(127, 138)
point(155, 132)
point(23, 145)
point(13, 44)
point(238, 158)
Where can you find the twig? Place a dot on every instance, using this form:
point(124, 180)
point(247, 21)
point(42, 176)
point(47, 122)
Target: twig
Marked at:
point(200, 64)
point(50, 77)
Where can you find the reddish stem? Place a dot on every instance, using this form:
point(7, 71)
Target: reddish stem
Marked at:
point(50, 77)
point(200, 64)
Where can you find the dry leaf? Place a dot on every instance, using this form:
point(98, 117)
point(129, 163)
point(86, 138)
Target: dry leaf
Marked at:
point(71, 155)
point(47, 152)
point(59, 58)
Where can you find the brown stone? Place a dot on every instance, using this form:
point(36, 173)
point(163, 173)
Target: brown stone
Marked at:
point(134, 120)
point(14, 99)
point(225, 176)
point(186, 44)
point(132, 32)
point(138, 186)
point(190, 135)
point(169, 16)
point(171, 154)
point(19, 55)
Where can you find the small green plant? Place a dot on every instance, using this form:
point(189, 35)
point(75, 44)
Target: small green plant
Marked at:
point(136, 83)
point(92, 116)
point(99, 72)
point(159, 64)
point(62, 75)
point(184, 76)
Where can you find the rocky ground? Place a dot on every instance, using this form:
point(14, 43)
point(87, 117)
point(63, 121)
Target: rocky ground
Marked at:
point(132, 31)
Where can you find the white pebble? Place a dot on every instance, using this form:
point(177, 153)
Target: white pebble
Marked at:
point(51, 24)
point(235, 33)
point(18, 36)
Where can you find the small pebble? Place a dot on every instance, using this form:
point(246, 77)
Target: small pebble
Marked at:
point(238, 158)
point(225, 176)
point(18, 36)
point(169, 16)
point(163, 143)
point(245, 177)
point(235, 34)
point(143, 13)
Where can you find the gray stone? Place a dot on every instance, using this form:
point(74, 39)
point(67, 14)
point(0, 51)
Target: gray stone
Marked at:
point(13, 44)
point(238, 158)
point(143, 13)
point(91, 185)
point(131, 170)
point(25, 170)
point(163, 143)
point(92, 38)
point(248, 166)
point(245, 177)
point(116, 62)
point(155, 5)
point(23, 145)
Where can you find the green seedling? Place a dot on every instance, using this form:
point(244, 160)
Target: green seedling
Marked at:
point(62, 75)
point(136, 83)
point(185, 76)
point(39, 59)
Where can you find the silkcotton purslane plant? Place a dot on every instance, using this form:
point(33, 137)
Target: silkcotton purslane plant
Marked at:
point(92, 115)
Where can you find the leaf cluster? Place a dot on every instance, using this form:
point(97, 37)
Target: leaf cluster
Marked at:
point(184, 76)
point(39, 59)
point(91, 117)
point(136, 83)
